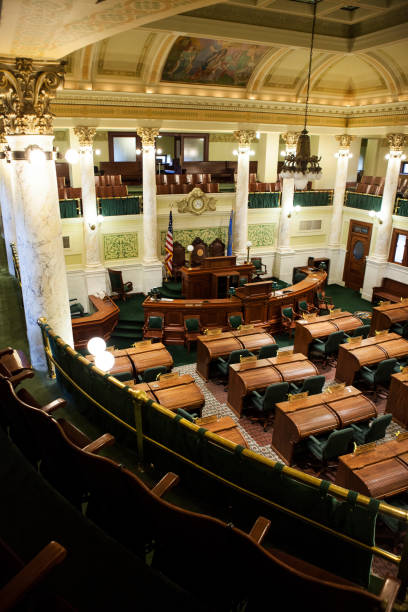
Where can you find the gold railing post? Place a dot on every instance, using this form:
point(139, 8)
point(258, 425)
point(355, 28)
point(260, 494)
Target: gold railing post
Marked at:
point(47, 347)
point(139, 427)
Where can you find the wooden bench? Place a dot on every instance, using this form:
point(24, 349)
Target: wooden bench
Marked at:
point(391, 290)
point(131, 171)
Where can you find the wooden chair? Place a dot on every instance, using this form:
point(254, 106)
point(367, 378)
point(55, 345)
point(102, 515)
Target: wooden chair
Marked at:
point(154, 326)
point(179, 259)
point(162, 189)
point(217, 248)
point(199, 252)
point(289, 317)
point(323, 301)
point(260, 268)
point(119, 288)
point(14, 365)
point(210, 187)
point(192, 329)
point(305, 307)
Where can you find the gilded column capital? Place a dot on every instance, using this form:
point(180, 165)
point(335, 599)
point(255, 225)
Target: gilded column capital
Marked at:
point(26, 89)
point(290, 139)
point(344, 140)
point(3, 140)
point(396, 142)
point(85, 135)
point(244, 137)
point(148, 135)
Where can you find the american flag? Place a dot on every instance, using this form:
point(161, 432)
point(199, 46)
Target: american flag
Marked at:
point(169, 247)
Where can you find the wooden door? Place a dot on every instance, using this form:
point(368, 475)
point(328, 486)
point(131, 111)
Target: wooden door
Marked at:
point(358, 247)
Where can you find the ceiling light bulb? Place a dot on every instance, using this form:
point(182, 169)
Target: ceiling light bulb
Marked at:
point(96, 345)
point(72, 156)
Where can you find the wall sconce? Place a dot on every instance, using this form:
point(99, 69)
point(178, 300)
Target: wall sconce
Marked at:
point(343, 154)
point(395, 155)
point(138, 151)
point(295, 209)
point(248, 244)
point(190, 249)
point(72, 156)
point(33, 154)
point(376, 214)
point(92, 226)
point(97, 151)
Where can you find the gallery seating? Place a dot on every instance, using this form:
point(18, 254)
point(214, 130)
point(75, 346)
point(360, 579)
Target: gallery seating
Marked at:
point(118, 287)
point(389, 289)
point(14, 365)
point(131, 172)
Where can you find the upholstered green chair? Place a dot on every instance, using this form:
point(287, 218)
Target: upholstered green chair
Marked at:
point(223, 365)
point(119, 288)
point(76, 309)
point(323, 301)
point(363, 330)
point(265, 403)
point(235, 319)
point(312, 384)
point(187, 415)
point(269, 350)
point(400, 328)
point(192, 329)
point(331, 446)
point(305, 307)
point(372, 431)
point(380, 376)
point(153, 327)
point(151, 374)
point(327, 350)
point(260, 268)
point(289, 318)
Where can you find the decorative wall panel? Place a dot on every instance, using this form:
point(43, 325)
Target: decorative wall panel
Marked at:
point(120, 246)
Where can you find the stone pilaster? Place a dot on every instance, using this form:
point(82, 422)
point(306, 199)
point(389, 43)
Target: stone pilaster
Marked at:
point(240, 229)
point(152, 268)
point(336, 252)
point(268, 157)
point(284, 253)
point(376, 263)
point(25, 90)
point(6, 205)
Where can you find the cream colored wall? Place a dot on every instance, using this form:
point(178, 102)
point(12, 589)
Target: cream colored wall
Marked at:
point(222, 151)
point(375, 163)
point(328, 146)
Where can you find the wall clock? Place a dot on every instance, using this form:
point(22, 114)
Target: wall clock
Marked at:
point(197, 202)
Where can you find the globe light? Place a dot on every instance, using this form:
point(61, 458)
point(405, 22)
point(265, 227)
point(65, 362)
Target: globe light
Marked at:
point(190, 248)
point(97, 151)
point(138, 151)
point(96, 345)
point(159, 151)
point(36, 155)
point(297, 207)
point(104, 361)
point(72, 156)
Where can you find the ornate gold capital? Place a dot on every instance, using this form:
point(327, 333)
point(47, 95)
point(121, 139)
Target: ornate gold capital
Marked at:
point(290, 139)
point(344, 140)
point(3, 140)
point(25, 91)
point(148, 135)
point(244, 137)
point(85, 135)
point(396, 142)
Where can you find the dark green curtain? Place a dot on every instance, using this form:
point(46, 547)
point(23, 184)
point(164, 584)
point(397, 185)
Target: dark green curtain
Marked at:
point(402, 208)
point(119, 206)
point(313, 198)
point(68, 209)
point(264, 200)
point(363, 201)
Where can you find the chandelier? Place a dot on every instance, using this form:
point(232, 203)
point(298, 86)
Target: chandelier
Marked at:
point(302, 166)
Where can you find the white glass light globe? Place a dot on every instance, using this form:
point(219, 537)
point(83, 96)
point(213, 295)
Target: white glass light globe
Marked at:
point(96, 345)
point(190, 248)
point(97, 151)
point(105, 361)
point(297, 207)
point(72, 156)
point(36, 156)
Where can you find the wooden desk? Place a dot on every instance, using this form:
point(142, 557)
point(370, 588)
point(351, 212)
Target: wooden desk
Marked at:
point(244, 378)
point(307, 331)
point(202, 281)
point(257, 304)
point(122, 364)
point(384, 316)
point(397, 402)
point(368, 352)
point(148, 356)
point(380, 473)
point(317, 414)
point(178, 392)
point(211, 347)
point(227, 428)
point(100, 323)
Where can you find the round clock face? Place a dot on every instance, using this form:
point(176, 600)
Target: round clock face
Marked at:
point(200, 252)
point(197, 204)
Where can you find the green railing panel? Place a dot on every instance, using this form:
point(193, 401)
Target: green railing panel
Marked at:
point(264, 200)
point(69, 209)
point(109, 207)
point(364, 201)
point(401, 208)
point(313, 198)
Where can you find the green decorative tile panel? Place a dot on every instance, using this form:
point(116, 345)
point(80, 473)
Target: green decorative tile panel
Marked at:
point(260, 234)
point(120, 246)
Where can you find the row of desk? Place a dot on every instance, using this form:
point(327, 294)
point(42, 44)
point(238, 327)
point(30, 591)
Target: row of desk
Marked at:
point(307, 331)
point(135, 360)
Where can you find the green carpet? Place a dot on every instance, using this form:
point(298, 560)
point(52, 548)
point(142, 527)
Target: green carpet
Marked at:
point(347, 299)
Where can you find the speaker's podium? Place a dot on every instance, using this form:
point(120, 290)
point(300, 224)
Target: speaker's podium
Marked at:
point(214, 277)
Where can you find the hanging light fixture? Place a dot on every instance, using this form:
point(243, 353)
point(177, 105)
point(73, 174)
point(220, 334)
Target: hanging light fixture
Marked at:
point(302, 166)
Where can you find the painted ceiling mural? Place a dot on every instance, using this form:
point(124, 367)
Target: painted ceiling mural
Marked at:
point(208, 62)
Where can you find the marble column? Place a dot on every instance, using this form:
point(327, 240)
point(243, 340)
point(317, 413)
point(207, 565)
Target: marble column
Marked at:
point(335, 251)
point(28, 127)
point(152, 267)
point(6, 205)
point(268, 157)
point(240, 223)
point(284, 257)
point(95, 275)
point(376, 263)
